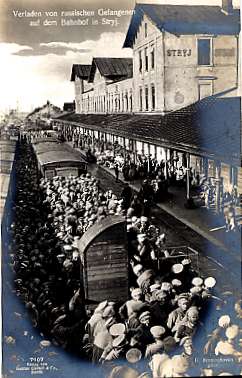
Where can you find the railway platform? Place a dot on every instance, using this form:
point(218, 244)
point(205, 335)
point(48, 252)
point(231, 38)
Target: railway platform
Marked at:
point(200, 220)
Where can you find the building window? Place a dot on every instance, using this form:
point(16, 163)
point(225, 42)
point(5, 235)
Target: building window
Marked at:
point(140, 61)
point(131, 102)
point(152, 58)
point(153, 96)
point(233, 176)
point(146, 59)
point(140, 100)
point(146, 30)
point(146, 98)
point(126, 102)
point(204, 52)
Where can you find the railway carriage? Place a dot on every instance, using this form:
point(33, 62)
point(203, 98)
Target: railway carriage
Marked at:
point(105, 266)
point(7, 155)
point(56, 159)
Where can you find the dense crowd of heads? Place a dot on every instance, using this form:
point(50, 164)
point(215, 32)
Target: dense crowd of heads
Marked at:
point(157, 331)
point(162, 174)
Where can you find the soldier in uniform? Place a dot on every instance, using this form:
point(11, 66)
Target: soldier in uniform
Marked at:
point(177, 315)
point(157, 346)
point(188, 325)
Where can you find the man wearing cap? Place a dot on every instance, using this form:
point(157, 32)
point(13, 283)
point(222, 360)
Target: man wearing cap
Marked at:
point(145, 279)
point(132, 305)
point(231, 345)
point(102, 342)
point(177, 315)
point(106, 313)
point(144, 225)
point(188, 326)
point(119, 348)
point(153, 289)
point(126, 195)
point(180, 366)
point(160, 365)
point(144, 250)
point(115, 330)
point(187, 345)
point(136, 206)
point(141, 336)
point(158, 308)
point(146, 194)
point(157, 346)
point(95, 318)
point(217, 334)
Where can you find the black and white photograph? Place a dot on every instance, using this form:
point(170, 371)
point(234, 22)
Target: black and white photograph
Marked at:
point(121, 188)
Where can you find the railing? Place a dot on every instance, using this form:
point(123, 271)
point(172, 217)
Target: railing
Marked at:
point(175, 255)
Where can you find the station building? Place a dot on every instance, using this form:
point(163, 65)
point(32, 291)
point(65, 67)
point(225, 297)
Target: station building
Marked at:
point(177, 99)
point(181, 54)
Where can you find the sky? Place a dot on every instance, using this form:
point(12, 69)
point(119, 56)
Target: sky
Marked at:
point(36, 61)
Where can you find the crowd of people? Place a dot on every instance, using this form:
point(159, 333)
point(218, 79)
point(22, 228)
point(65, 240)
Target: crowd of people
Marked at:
point(160, 174)
point(163, 175)
point(158, 331)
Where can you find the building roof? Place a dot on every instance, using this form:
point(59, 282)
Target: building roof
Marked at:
point(184, 19)
point(113, 68)
point(80, 70)
point(210, 127)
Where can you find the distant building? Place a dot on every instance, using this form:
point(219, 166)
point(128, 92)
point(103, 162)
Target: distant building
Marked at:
point(44, 112)
point(181, 54)
point(69, 106)
point(105, 86)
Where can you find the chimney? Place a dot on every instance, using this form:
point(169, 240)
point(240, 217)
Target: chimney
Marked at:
point(227, 6)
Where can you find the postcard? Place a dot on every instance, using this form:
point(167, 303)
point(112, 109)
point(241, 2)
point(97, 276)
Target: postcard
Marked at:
point(121, 184)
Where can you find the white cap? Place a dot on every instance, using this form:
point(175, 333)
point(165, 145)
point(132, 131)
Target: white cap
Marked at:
point(177, 268)
point(166, 286)
point(210, 282)
point(197, 281)
point(117, 329)
point(232, 331)
point(137, 268)
point(224, 321)
point(176, 282)
point(136, 291)
point(154, 287)
point(225, 348)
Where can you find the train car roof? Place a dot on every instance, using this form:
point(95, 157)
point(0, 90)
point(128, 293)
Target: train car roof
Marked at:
point(7, 148)
point(9, 142)
point(7, 156)
point(45, 140)
point(4, 187)
point(58, 157)
point(48, 147)
point(97, 229)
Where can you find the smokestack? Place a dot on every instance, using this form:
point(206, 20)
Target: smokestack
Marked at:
point(227, 6)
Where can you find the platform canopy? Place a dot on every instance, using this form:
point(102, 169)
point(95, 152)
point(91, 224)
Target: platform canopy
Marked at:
point(210, 127)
